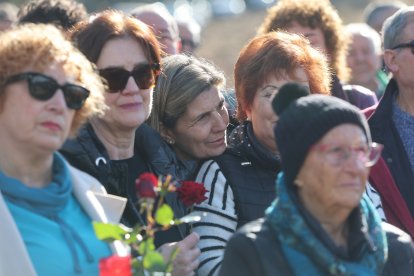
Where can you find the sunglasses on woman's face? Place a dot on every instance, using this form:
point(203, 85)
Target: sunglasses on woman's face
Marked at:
point(143, 74)
point(42, 88)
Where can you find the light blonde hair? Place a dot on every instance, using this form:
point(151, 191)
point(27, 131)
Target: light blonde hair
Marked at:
point(37, 46)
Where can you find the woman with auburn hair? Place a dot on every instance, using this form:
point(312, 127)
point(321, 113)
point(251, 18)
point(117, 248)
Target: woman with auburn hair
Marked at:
point(319, 22)
point(127, 55)
point(241, 181)
point(47, 89)
point(320, 223)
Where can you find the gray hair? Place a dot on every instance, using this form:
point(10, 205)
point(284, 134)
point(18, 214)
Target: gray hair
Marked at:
point(159, 9)
point(364, 30)
point(374, 9)
point(393, 27)
point(182, 79)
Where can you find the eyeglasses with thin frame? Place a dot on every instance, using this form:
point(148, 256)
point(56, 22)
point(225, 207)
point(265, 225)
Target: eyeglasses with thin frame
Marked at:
point(338, 155)
point(405, 45)
point(143, 74)
point(42, 88)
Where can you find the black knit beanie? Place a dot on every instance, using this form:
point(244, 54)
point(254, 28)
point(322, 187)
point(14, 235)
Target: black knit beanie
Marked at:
point(304, 119)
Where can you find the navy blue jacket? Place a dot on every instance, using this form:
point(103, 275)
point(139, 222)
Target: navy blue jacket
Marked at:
point(384, 131)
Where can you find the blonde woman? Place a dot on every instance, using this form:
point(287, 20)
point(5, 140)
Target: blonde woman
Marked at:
point(47, 89)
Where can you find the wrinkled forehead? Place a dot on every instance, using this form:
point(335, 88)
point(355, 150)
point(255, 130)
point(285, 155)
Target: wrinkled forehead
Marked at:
point(344, 134)
point(297, 74)
point(70, 66)
point(363, 40)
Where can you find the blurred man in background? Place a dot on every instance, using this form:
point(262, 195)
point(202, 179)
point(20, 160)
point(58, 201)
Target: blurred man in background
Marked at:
point(61, 13)
point(376, 12)
point(8, 15)
point(163, 24)
point(364, 58)
point(190, 34)
point(392, 123)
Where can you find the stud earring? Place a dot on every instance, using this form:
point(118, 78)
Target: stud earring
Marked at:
point(298, 182)
point(169, 140)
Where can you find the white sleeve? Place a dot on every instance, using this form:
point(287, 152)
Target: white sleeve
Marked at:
point(220, 220)
point(376, 200)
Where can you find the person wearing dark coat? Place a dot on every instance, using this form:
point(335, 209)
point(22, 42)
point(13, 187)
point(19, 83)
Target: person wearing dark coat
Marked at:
point(392, 175)
point(320, 223)
point(88, 153)
point(241, 181)
point(117, 146)
point(392, 123)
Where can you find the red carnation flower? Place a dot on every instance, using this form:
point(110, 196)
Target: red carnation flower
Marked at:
point(115, 266)
point(191, 193)
point(145, 186)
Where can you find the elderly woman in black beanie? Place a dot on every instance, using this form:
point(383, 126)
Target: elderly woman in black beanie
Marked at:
point(320, 224)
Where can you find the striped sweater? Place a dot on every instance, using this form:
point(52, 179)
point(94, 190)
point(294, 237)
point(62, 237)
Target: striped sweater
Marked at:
point(220, 221)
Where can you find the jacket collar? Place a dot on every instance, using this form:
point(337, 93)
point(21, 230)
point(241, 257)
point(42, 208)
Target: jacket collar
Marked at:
point(99, 205)
point(337, 90)
point(17, 260)
point(242, 139)
point(384, 109)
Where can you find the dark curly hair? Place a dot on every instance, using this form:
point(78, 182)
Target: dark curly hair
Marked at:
point(62, 13)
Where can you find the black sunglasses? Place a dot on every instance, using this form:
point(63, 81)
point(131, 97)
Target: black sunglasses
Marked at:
point(405, 45)
point(42, 88)
point(143, 74)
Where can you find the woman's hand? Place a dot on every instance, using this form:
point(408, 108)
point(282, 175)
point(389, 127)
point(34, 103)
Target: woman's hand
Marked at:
point(186, 261)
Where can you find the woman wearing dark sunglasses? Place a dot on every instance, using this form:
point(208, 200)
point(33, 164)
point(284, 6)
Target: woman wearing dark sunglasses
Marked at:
point(47, 89)
point(127, 55)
